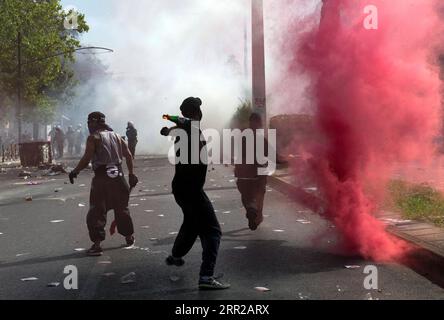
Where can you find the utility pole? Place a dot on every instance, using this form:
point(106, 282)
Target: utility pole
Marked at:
point(19, 86)
point(258, 59)
point(246, 72)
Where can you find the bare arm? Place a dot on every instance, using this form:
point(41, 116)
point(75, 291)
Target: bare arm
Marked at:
point(128, 157)
point(87, 157)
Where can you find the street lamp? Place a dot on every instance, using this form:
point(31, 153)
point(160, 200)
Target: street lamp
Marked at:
point(19, 74)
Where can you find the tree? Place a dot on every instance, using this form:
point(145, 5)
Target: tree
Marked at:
point(35, 29)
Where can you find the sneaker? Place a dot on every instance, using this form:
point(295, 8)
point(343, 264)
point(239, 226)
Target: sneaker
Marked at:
point(95, 251)
point(172, 261)
point(252, 221)
point(212, 284)
point(130, 241)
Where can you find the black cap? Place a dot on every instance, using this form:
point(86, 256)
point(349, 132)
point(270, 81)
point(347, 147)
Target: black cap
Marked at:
point(191, 105)
point(97, 117)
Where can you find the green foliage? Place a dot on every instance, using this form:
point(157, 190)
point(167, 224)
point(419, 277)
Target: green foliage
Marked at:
point(40, 24)
point(418, 201)
point(241, 117)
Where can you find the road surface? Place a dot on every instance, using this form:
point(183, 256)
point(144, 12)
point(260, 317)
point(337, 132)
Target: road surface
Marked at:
point(294, 260)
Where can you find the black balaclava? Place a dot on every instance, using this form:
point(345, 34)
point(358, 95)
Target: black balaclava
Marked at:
point(191, 108)
point(96, 121)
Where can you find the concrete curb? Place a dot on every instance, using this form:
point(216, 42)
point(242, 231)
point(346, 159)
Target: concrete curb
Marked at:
point(427, 260)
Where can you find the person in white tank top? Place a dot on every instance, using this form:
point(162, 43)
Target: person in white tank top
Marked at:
point(109, 188)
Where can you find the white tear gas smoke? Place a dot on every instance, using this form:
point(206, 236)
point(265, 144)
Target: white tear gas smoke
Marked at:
point(168, 50)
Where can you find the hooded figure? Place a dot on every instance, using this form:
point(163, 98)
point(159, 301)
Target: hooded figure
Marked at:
point(199, 217)
point(131, 134)
point(109, 188)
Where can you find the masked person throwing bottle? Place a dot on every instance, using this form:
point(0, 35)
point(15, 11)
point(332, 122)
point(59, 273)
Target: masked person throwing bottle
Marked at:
point(199, 218)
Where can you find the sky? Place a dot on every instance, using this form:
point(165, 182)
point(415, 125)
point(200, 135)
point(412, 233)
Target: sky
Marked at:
point(99, 14)
point(167, 50)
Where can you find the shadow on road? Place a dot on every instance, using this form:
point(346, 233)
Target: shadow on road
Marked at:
point(71, 256)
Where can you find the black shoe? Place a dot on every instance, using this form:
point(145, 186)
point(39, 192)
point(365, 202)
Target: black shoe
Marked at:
point(172, 261)
point(212, 284)
point(130, 241)
point(252, 221)
point(95, 251)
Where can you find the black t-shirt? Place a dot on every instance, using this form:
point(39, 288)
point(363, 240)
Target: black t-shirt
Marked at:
point(189, 176)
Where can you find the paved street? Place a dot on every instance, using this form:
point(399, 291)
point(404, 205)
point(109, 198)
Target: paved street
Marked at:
point(294, 260)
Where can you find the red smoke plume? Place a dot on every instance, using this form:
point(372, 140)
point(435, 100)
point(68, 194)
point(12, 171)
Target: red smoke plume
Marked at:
point(377, 101)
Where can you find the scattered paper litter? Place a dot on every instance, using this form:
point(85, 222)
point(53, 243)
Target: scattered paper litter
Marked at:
point(81, 185)
point(22, 254)
point(161, 215)
point(174, 278)
point(145, 227)
point(153, 239)
point(133, 247)
point(53, 284)
point(129, 278)
point(352, 267)
point(240, 248)
point(29, 279)
point(81, 205)
point(134, 204)
point(369, 296)
point(303, 221)
point(278, 230)
point(56, 221)
point(173, 233)
point(108, 274)
point(104, 262)
point(262, 289)
point(302, 297)
point(148, 211)
point(79, 249)
point(226, 212)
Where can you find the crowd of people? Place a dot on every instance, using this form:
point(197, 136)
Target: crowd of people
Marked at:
point(72, 141)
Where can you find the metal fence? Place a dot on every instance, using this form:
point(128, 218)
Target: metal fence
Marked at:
point(10, 152)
